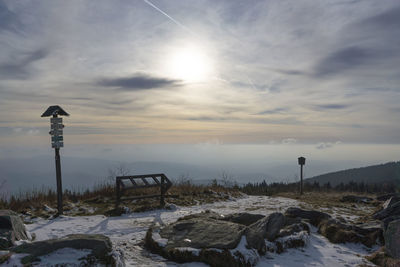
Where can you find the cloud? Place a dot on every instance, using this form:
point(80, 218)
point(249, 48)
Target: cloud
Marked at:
point(331, 106)
point(8, 20)
point(388, 19)
point(138, 82)
point(19, 68)
point(289, 141)
point(344, 60)
point(325, 145)
point(289, 71)
point(272, 111)
point(371, 45)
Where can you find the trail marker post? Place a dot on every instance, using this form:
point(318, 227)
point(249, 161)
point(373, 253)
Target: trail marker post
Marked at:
point(57, 141)
point(302, 162)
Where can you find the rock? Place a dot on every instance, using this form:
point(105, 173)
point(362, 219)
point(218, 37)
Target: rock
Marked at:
point(392, 209)
point(293, 228)
point(203, 231)
point(243, 218)
point(99, 244)
point(315, 217)
point(11, 229)
point(380, 258)
point(292, 236)
point(218, 241)
point(386, 196)
point(211, 256)
point(275, 222)
point(388, 203)
point(386, 221)
point(392, 239)
point(295, 240)
point(356, 199)
point(338, 232)
point(268, 228)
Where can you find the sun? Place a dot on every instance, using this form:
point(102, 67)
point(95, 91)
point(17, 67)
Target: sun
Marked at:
point(189, 63)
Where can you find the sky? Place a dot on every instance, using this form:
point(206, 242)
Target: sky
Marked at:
point(273, 72)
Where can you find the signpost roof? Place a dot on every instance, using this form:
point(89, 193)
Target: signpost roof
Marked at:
point(54, 110)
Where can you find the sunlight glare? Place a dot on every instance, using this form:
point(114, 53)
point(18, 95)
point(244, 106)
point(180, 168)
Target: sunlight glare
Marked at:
point(190, 63)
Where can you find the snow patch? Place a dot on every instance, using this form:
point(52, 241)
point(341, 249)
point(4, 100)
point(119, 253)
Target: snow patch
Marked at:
point(250, 255)
point(194, 251)
point(65, 256)
point(162, 242)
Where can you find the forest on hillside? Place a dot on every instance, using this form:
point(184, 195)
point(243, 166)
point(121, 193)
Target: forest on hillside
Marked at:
point(383, 173)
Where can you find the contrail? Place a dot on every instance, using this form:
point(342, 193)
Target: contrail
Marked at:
point(169, 17)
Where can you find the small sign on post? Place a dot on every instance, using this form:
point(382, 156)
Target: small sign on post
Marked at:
point(57, 141)
point(302, 161)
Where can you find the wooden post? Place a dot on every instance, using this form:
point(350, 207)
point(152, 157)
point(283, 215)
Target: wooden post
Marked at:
point(59, 183)
point(302, 161)
point(301, 179)
point(117, 191)
point(162, 202)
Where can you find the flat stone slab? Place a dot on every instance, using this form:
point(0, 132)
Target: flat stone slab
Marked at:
point(203, 232)
point(100, 246)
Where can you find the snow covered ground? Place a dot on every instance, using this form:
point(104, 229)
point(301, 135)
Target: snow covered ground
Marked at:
point(127, 232)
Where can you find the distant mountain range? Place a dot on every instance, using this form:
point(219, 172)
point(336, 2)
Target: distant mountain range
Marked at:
point(388, 172)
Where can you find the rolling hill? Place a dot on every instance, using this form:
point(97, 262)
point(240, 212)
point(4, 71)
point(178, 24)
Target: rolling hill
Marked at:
point(388, 172)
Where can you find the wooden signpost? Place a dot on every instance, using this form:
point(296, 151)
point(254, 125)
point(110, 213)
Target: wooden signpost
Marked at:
point(302, 161)
point(57, 141)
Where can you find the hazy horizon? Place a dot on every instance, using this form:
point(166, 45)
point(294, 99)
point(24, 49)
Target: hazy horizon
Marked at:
point(84, 166)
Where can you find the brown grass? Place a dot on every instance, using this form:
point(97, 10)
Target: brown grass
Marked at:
point(102, 198)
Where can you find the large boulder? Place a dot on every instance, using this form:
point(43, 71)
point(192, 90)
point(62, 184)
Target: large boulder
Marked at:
point(392, 239)
point(313, 216)
point(380, 258)
point(293, 235)
point(11, 229)
point(100, 246)
point(386, 221)
point(338, 232)
point(266, 228)
point(392, 209)
point(216, 240)
point(243, 218)
point(387, 196)
point(202, 231)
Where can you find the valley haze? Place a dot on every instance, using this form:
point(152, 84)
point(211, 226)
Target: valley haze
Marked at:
point(84, 166)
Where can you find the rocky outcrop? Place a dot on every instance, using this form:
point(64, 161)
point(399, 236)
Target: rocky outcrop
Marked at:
point(392, 239)
point(338, 232)
point(11, 229)
point(380, 258)
point(100, 246)
point(356, 199)
point(313, 216)
point(390, 208)
point(223, 241)
point(266, 228)
point(203, 232)
point(243, 218)
point(387, 196)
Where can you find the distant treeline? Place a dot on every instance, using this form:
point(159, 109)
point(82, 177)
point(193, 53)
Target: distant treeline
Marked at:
point(264, 188)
